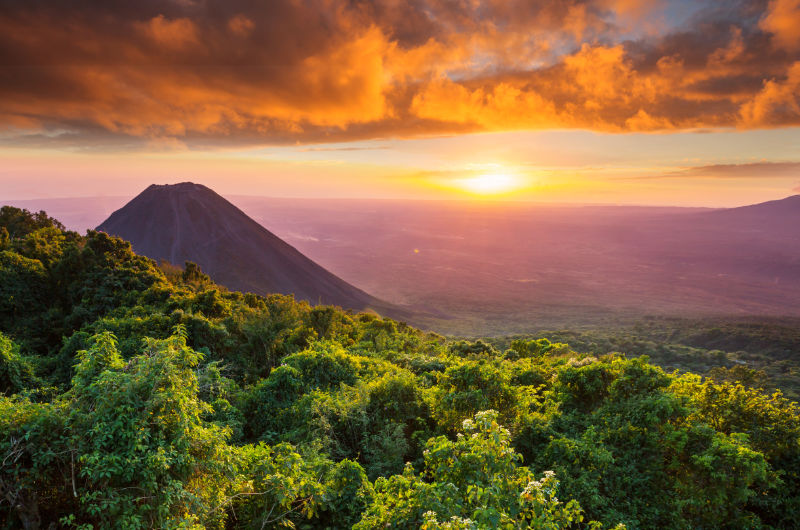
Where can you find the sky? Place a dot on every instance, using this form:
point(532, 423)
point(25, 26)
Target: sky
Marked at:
point(692, 103)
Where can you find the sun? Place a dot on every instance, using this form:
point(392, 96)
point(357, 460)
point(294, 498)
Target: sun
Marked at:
point(489, 183)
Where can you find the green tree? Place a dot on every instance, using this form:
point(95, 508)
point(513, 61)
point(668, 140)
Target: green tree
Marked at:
point(473, 482)
point(147, 459)
point(5, 238)
point(45, 244)
point(19, 222)
point(769, 424)
point(23, 293)
point(37, 465)
point(471, 386)
point(16, 372)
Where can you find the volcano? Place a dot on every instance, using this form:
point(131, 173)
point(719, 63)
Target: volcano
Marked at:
point(190, 222)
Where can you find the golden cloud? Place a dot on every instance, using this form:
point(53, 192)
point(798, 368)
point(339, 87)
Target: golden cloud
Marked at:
point(778, 103)
point(179, 33)
point(782, 20)
point(227, 73)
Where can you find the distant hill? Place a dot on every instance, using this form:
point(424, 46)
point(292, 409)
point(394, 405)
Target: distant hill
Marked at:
point(789, 206)
point(773, 217)
point(191, 222)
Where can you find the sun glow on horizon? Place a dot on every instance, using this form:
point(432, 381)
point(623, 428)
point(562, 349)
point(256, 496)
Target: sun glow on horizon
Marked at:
point(492, 183)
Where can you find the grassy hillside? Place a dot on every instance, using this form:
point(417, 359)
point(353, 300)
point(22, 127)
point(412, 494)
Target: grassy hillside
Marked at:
point(136, 396)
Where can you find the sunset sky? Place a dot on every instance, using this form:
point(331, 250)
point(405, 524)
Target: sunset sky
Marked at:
point(613, 101)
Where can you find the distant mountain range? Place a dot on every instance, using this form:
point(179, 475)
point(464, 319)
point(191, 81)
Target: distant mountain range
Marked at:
point(780, 217)
point(190, 222)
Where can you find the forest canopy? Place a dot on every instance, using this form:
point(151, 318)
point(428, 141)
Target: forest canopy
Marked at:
point(139, 395)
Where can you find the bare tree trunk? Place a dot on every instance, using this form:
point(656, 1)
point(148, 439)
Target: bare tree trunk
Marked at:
point(28, 512)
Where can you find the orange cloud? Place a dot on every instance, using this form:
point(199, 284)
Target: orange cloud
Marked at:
point(597, 87)
point(240, 25)
point(235, 72)
point(178, 33)
point(503, 106)
point(778, 103)
point(782, 19)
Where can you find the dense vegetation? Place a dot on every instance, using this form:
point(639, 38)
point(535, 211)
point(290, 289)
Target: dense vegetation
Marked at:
point(139, 396)
point(757, 351)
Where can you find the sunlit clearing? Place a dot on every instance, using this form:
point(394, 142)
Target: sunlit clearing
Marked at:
point(490, 183)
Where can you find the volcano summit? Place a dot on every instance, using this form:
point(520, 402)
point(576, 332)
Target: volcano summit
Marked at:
point(190, 222)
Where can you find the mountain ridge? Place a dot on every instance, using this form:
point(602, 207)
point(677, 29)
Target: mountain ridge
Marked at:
point(787, 205)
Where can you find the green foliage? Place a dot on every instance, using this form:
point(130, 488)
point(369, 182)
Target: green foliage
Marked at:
point(194, 276)
point(45, 245)
point(281, 484)
point(16, 372)
point(478, 348)
point(473, 482)
point(271, 334)
point(770, 425)
point(383, 424)
point(740, 374)
point(19, 222)
point(522, 349)
point(324, 366)
point(144, 396)
point(472, 386)
point(631, 451)
point(146, 457)
point(762, 353)
point(23, 291)
point(5, 238)
point(284, 488)
point(102, 356)
point(37, 462)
